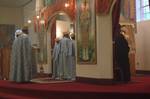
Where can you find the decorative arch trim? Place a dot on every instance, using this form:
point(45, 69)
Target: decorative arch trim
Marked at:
point(59, 7)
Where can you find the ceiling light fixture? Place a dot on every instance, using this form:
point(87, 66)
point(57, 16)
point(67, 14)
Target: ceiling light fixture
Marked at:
point(29, 21)
point(67, 4)
point(37, 16)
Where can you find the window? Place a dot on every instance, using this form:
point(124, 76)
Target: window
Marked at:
point(142, 10)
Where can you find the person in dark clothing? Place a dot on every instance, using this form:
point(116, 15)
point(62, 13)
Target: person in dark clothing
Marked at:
point(122, 50)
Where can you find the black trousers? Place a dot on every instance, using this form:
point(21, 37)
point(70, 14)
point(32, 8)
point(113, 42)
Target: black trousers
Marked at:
point(125, 72)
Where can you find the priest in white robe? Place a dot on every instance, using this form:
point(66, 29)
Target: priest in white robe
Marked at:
point(57, 67)
point(73, 65)
point(21, 63)
point(66, 56)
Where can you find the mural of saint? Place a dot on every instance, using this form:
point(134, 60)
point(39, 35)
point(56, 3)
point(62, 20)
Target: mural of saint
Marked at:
point(85, 27)
point(86, 32)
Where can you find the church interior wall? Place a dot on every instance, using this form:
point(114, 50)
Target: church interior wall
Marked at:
point(141, 41)
point(142, 46)
point(10, 15)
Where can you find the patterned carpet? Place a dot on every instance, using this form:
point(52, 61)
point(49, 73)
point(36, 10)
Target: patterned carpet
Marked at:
point(138, 88)
point(49, 80)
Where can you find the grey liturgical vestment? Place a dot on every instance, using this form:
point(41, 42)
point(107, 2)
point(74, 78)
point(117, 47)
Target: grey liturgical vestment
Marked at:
point(21, 63)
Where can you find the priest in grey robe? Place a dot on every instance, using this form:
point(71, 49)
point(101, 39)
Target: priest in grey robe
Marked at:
point(66, 56)
point(57, 67)
point(73, 56)
point(21, 63)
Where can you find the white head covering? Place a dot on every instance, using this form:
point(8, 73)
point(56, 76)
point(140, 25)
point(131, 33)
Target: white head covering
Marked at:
point(72, 35)
point(18, 32)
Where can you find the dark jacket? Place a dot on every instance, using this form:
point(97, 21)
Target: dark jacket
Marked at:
point(122, 50)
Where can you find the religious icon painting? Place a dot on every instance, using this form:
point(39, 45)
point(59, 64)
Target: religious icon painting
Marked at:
point(86, 32)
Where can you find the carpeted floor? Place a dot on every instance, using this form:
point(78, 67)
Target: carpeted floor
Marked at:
point(139, 87)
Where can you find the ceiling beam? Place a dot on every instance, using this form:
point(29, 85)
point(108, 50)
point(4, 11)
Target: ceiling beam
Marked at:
point(26, 3)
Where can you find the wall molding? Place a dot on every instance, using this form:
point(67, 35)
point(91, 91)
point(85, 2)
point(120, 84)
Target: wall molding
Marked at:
point(43, 75)
point(144, 72)
point(94, 80)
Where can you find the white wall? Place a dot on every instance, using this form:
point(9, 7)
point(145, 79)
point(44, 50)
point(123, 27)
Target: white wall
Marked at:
point(143, 46)
point(61, 26)
point(11, 16)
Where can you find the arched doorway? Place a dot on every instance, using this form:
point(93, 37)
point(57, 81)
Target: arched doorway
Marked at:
point(58, 23)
